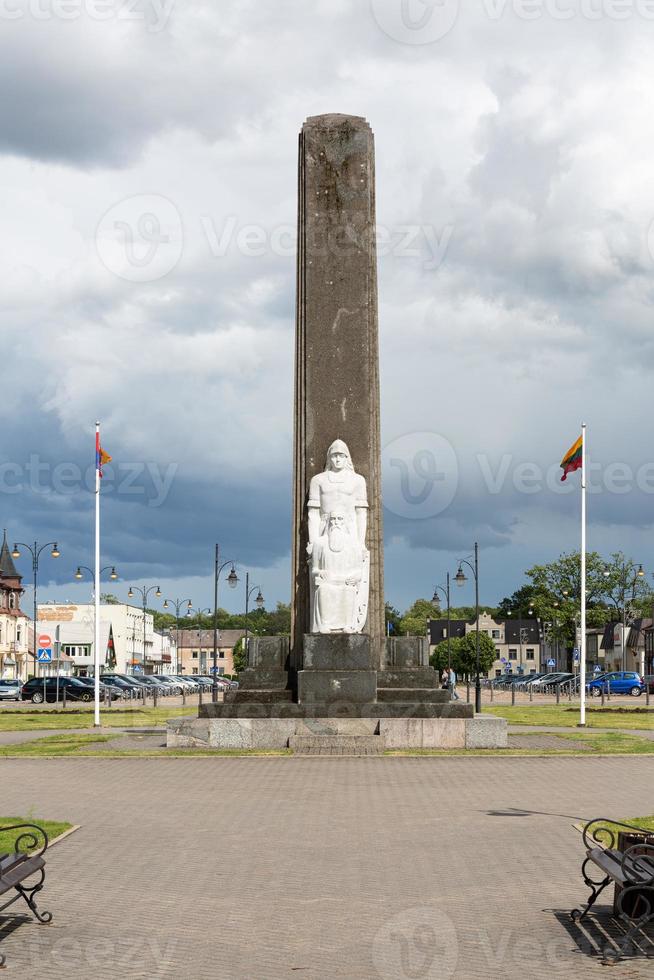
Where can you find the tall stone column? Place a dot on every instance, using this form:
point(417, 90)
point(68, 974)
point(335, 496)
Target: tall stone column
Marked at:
point(336, 346)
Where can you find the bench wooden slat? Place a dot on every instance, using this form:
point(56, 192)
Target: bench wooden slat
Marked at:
point(11, 860)
point(24, 869)
point(611, 862)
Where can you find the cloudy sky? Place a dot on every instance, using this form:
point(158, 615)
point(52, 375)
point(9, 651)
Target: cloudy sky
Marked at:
point(148, 188)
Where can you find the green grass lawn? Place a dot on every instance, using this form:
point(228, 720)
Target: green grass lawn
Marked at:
point(86, 744)
point(53, 745)
point(566, 717)
point(598, 743)
point(53, 828)
point(27, 721)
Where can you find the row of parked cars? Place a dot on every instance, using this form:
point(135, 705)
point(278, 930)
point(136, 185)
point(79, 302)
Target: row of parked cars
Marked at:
point(112, 687)
point(614, 682)
point(536, 680)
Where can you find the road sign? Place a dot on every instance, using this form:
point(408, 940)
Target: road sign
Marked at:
point(597, 669)
point(44, 656)
point(45, 641)
point(138, 670)
point(551, 663)
point(575, 655)
point(503, 660)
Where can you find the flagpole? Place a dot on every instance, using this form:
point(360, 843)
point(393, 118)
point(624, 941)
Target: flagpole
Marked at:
point(582, 651)
point(96, 633)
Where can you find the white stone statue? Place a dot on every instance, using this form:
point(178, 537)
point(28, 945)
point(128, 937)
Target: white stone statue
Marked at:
point(339, 559)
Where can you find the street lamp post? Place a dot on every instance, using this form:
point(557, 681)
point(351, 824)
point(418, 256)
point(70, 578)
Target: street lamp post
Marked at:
point(36, 553)
point(200, 613)
point(446, 592)
point(85, 568)
point(178, 603)
point(232, 581)
point(144, 593)
point(259, 602)
point(624, 588)
point(460, 580)
point(522, 636)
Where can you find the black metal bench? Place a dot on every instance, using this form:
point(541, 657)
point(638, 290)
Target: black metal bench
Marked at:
point(19, 865)
point(623, 854)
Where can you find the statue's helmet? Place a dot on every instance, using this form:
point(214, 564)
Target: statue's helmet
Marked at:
point(338, 446)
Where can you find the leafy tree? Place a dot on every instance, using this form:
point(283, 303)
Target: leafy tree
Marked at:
point(109, 598)
point(522, 600)
point(240, 661)
point(439, 656)
point(464, 654)
point(414, 621)
point(278, 623)
point(625, 584)
point(468, 653)
point(393, 617)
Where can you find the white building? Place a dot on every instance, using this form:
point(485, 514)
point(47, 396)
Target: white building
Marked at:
point(122, 635)
point(14, 633)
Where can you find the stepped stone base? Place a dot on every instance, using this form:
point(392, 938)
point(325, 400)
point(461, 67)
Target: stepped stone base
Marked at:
point(388, 733)
point(344, 705)
point(335, 709)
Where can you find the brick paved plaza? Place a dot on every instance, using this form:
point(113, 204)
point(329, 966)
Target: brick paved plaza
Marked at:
point(317, 868)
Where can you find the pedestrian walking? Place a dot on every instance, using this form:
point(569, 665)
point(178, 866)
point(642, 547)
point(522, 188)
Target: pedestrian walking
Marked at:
point(455, 696)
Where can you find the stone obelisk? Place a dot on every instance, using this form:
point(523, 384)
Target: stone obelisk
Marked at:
point(337, 351)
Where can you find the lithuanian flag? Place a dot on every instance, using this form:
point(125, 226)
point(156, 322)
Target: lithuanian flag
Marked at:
point(572, 459)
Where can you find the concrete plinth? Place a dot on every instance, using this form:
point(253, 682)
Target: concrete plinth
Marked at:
point(336, 744)
point(479, 732)
point(337, 667)
point(486, 732)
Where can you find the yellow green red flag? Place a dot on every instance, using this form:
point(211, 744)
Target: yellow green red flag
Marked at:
point(572, 459)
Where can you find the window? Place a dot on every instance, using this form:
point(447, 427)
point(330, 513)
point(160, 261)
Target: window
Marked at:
point(221, 654)
point(495, 634)
point(195, 670)
point(529, 654)
point(195, 654)
point(444, 632)
point(513, 654)
point(19, 632)
point(12, 600)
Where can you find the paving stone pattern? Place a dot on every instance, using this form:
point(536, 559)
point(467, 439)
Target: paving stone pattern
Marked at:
point(317, 867)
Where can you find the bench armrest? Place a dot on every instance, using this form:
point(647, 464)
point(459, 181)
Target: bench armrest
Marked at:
point(597, 833)
point(638, 864)
point(34, 840)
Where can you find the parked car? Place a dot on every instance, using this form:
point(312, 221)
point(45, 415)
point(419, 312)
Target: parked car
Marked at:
point(619, 681)
point(127, 685)
point(10, 690)
point(554, 677)
point(104, 687)
point(38, 689)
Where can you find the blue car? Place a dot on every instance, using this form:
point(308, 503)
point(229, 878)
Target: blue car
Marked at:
point(621, 682)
